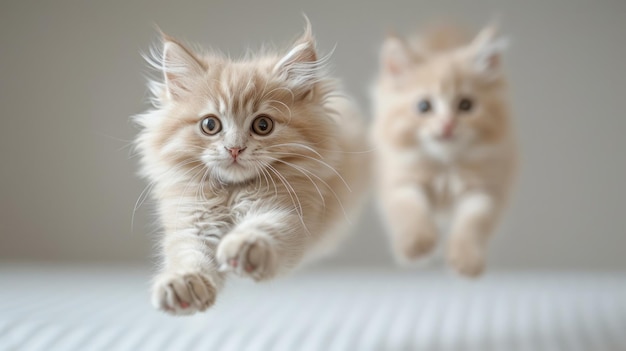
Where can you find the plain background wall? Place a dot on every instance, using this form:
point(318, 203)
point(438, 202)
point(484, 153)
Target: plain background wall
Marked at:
point(71, 76)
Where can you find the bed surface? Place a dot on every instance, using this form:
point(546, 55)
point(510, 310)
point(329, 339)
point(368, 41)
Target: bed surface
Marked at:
point(87, 308)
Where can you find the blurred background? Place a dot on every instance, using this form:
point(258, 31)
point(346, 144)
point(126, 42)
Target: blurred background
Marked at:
point(71, 76)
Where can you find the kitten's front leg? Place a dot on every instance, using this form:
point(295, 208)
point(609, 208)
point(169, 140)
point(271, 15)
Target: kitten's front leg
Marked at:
point(409, 216)
point(474, 218)
point(189, 281)
point(263, 244)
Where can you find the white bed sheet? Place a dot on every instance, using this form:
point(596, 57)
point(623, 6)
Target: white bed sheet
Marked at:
point(87, 308)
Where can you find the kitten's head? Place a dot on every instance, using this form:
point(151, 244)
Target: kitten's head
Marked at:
point(228, 120)
point(442, 92)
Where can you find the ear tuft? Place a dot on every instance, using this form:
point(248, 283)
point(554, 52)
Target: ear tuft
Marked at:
point(395, 57)
point(180, 66)
point(300, 67)
point(486, 51)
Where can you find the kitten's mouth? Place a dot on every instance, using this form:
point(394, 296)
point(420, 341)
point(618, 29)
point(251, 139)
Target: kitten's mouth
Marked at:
point(445, 137)
point(235, 163)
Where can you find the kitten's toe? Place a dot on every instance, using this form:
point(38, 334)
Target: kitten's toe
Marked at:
point(466, 258)
point(183, 294)
point(247, 255)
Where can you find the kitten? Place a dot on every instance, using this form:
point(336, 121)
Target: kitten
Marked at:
point(444, 143)
point(255, 164)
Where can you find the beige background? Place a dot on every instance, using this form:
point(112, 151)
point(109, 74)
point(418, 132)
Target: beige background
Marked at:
point(71, 75)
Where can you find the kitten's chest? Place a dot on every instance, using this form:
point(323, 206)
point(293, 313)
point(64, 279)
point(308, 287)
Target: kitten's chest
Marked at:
point(445, 187)
point(217, 214)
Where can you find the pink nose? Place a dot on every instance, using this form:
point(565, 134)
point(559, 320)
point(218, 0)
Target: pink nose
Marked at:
point(235, 151)
point(448, 129)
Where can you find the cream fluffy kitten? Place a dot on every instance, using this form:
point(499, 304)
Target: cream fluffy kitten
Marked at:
point(254, 163)
point(444, 143)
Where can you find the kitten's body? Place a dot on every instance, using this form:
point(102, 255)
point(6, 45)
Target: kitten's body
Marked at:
point(238, 201)
point(440, 159)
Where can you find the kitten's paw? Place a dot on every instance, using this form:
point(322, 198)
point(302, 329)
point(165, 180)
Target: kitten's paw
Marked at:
point(415, 246)
point(182, 294)
point(467, 258)
point(247, 255)
point(411, 246)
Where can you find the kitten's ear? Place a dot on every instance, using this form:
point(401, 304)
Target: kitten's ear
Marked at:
point(485, 51)
point(395, 56)
point(180, 66)
point(300, 67)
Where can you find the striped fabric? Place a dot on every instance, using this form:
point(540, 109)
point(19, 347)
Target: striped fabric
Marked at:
point(107, 309)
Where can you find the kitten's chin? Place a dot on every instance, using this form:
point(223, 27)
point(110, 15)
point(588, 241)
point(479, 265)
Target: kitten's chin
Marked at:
point(454, 141)
point(444, 148)
point(236, 173)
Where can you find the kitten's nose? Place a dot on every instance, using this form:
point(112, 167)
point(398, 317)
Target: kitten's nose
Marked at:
point(448, 129)
point(235, 151)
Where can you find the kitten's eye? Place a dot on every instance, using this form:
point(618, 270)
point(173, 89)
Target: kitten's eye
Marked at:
point(210, 125)
point(424, 106)
point(262, 125)
point(465, 105)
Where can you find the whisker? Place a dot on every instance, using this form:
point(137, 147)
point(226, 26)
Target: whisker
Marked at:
point(276, 109)
point(319, 161)
point(149, 188)
point(283, 104)
point(140, 202)
point(279, 88)
point(327, 185)
point(349, 152)
point(113, 138)
point(270, 177)
point(288, 187)
point(298, 145)
point(175, 169)
point(259, 168)
point(310, 179)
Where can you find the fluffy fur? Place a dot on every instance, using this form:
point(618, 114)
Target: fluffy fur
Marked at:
point(444, 143)
point(237, 201)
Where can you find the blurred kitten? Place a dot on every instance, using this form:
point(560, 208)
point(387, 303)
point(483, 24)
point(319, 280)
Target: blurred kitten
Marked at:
point(444, 143)
point(255, 164)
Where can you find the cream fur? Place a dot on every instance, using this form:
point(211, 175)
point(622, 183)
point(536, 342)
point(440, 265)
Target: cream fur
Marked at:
point(289, 192)
point(424, 171)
